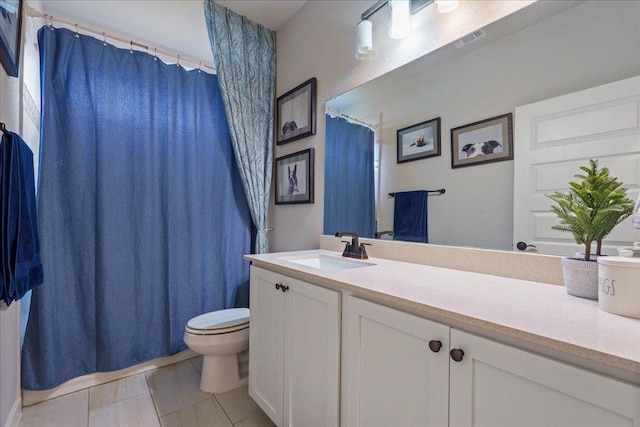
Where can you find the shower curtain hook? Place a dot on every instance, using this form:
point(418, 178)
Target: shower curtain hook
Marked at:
point(77, 35)
point(200, 67)
point(104, 39)
point(131, 46)
point(178, 64)
point(155, 53)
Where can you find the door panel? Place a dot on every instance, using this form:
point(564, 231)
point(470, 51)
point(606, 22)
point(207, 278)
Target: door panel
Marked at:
point(312, 355)
point(497, 385)
point(393, 378)
point(266, 343)
point(554, 138)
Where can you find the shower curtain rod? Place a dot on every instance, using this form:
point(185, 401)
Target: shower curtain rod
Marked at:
point(353, 119)
point(180, 59)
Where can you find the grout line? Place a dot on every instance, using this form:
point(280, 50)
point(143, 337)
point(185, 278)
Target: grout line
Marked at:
point(88, 405)
point(222, 407)
point(153, 400)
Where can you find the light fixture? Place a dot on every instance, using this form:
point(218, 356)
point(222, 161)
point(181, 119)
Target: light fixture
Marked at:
point(446, 6)
point(364, 39)
point(400, 25)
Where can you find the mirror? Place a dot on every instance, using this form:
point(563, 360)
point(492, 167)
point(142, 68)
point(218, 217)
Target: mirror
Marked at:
point(545, 50)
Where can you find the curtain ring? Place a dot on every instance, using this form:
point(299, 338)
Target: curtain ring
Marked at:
point(131, 46)
point(104, 39)
point(77, 35)
point(155, 53)
point(178, 64)
point(200, 67)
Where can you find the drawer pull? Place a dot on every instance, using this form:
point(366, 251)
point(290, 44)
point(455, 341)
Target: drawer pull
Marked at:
point(278, 285)
point(284, 288)
point(435, 345)
point(457, 354)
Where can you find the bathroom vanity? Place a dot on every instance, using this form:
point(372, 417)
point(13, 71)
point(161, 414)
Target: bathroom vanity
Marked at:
point(378, 342)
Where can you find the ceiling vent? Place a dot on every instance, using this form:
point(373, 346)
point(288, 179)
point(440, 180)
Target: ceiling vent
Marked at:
point(469, 38)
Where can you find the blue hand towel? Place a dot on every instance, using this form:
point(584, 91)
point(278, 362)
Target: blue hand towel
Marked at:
point(21, 269)
point(410, 216)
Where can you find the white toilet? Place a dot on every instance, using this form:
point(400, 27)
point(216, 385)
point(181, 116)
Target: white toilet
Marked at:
point(221, 337)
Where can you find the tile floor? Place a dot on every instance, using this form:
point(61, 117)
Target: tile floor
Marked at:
point(168, 397)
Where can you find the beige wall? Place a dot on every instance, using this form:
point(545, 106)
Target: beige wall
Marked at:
point(319, 42)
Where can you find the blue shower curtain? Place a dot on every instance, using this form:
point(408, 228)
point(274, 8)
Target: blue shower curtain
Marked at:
point(349, 189)
point(143, 220)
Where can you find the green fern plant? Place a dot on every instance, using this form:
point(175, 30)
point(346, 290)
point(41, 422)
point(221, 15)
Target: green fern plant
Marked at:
point(592, 208)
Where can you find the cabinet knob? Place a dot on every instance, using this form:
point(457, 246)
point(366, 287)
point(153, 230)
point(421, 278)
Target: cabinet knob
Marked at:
point(284, 288)
point(456, 354)
point(435, 345)
point(278, 285)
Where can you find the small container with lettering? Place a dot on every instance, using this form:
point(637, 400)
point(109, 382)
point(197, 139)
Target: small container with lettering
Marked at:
point(619, 285)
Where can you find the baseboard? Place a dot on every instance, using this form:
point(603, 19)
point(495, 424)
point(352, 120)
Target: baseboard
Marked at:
point(15, 414)
point(30, 397)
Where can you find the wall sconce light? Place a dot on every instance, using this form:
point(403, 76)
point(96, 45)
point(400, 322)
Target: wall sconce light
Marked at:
point(364, 39)
point(446, 6)
point(400, 24)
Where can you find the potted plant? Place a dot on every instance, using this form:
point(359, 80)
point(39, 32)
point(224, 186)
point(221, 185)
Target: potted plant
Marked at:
point(592, 207)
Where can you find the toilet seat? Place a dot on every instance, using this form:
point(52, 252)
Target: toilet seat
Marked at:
point(219, 322)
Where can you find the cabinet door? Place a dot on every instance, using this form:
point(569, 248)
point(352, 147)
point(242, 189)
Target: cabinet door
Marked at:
point(266, 343)
point(312, 355)
point(393, 377)
point(497, 385)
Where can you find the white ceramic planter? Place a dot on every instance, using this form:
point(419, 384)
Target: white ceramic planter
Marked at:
point(580, 277)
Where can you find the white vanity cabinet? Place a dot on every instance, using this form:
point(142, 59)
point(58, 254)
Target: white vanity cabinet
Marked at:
point(498, 385)
point(294, 357)
point(397, 368)
point(394, 378)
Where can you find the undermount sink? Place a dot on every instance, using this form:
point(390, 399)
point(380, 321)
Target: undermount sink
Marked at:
point(327, 262)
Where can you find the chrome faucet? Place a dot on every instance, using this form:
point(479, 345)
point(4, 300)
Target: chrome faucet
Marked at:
point(353, 249)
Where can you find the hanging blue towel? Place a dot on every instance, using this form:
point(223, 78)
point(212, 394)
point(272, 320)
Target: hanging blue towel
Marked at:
point(410, 216)
point(21, 269)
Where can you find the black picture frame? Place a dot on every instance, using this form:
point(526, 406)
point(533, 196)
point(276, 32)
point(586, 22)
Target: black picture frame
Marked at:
point(294, 178)
point(10, 35)
point(485, 141)
point(419, 141)
point(296, 113)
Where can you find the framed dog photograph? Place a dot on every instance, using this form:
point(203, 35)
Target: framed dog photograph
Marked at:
point(419, 141)
point(486, 141)
point(10, 32)
point(294, 178)
point(296, 113)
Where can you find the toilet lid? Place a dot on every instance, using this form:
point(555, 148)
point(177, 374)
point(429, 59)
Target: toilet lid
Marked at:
point(220, 319)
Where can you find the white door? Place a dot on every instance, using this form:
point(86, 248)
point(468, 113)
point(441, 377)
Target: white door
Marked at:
point(497, 385)
point(312, 355)
point(393, 377)
point(553, 138)
point(266, 343)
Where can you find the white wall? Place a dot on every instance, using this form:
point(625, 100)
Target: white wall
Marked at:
point(20, 112)
point(319, 42)
point(556, 56)
point(9, 316)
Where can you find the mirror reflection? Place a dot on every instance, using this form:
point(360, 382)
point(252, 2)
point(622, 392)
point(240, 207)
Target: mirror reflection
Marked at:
point(543, 51)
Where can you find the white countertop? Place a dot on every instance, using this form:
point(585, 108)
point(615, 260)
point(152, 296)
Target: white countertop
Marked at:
point(537, 313)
